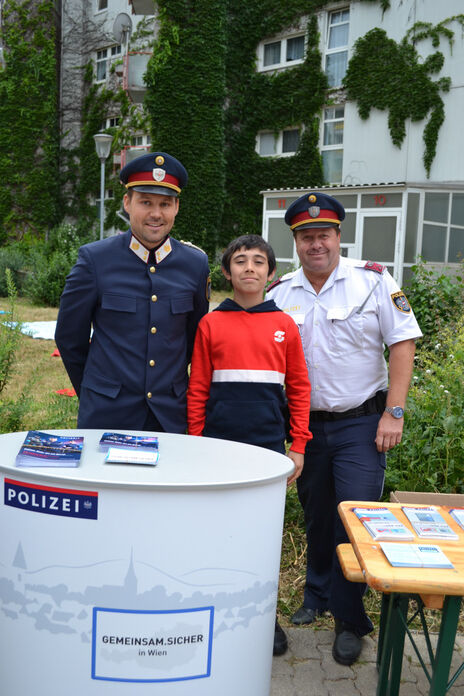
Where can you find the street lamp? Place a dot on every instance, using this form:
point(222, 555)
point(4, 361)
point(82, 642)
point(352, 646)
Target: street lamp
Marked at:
point(103, 147)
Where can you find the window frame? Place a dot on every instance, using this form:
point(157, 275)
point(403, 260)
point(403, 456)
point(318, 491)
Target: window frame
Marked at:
point(338, 49)
point(98, 7)
point(447, 226)
point(278, 141)
point(283, 38)
point(108, 59)
point(336, 146)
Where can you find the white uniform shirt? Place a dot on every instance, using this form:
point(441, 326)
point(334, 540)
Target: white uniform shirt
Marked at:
point(344, 329)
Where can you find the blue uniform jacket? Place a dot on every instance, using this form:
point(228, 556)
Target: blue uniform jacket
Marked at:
point(144, 319)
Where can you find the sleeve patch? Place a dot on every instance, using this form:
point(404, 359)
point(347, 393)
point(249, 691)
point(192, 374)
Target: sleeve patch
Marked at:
point(400, 301)
point(374, 266)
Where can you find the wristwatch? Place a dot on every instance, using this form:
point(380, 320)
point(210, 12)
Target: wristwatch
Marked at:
point(395, 411)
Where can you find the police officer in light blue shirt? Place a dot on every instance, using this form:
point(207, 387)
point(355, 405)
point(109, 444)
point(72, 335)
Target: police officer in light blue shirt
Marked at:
point(346, 311)
point(143, 294)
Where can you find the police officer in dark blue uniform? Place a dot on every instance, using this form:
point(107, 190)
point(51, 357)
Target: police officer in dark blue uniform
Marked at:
point(143, 294)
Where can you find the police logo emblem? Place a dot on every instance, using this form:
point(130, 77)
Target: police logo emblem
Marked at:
point(400, 301)
point(159, 160)
point(159, 174)
point(314, 211)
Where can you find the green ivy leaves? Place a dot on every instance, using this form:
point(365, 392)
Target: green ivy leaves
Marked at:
point(392, 77)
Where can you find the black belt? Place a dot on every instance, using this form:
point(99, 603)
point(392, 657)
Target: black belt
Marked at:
point(376, 404)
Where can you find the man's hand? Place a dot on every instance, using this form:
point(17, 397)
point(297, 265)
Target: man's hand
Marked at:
point(298, 460)
point(389, 432)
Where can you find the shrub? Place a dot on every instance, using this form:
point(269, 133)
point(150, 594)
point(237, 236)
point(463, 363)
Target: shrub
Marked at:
point(436, 298)
point(430, 456)
point(12, 412)
point(50, 264)
point(218, 279)
point(15, 258)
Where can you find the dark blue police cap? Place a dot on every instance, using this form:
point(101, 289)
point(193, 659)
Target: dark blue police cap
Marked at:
point(314, 210)
point(156, 172)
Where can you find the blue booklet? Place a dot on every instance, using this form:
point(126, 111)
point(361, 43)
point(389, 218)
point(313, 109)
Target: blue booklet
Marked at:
point(458, 515)
point(125, 441)
point(43, 449)
point(415, 555)
point(381, 523)
point(428, 523)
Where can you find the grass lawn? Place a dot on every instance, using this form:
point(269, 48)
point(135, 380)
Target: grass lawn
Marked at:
point(38, 375)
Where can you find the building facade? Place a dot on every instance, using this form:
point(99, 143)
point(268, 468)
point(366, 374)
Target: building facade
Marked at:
point(397, 209)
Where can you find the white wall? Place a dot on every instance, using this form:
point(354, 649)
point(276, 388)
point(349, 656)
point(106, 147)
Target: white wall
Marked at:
point(369, 154)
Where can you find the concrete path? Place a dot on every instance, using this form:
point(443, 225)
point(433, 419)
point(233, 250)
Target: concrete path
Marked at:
point(308, 668)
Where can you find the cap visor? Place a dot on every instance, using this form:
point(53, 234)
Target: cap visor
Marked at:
point(310, 225)
point(159, 190)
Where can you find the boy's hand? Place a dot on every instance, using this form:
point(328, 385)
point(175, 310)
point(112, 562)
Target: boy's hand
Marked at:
point(298, 460)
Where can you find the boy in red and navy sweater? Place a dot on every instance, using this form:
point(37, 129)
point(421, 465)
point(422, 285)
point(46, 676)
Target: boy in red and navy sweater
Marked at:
point(245, 351)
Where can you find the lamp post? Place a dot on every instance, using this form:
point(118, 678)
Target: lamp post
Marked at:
point(103, 146)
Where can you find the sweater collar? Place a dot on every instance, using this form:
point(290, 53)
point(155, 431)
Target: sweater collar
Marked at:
point(230, 305)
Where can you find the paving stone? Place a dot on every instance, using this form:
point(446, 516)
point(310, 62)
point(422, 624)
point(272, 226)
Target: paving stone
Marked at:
point(308, 668)
point(303, 642)
point(365, 677)
point(282, 665)
point(309, 679)
point(369, 650)
point(282, 686)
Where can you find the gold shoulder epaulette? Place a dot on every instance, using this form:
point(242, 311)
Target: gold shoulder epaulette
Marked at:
point(194, 246)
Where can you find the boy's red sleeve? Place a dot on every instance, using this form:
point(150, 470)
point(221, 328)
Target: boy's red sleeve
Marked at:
point(298, 390)
point(200, 380)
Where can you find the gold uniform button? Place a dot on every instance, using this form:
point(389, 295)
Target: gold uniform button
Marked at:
point(154, 298)
point(149, 395)
point(152, 363)
point(152, 269)
point(153, 329)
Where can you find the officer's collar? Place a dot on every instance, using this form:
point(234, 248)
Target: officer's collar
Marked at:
point(340, 271)
point(144, 254)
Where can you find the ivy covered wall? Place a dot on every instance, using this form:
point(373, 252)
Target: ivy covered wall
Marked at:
point(185, 100)
point(268, 101)
point(29, 133)
point(205, 104)
point(207, 110)
point(394, 77)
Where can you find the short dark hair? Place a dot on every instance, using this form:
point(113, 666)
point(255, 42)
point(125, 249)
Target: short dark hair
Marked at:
point(248, 241)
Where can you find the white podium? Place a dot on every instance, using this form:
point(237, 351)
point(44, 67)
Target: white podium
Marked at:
point(124, 579)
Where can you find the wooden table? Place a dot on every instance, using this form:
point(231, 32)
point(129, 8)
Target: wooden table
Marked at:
point(435, 588)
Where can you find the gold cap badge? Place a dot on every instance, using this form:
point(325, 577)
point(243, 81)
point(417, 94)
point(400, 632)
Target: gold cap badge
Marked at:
point(159, 160)
point(312, 198)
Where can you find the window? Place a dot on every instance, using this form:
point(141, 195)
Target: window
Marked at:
point(103, 61)
point(138, 140)
point(332, 144)
point(336, 52)
point(112, 122)
point(281, 53)
point(443, 228)
point(102, 5)
point(283, 143)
